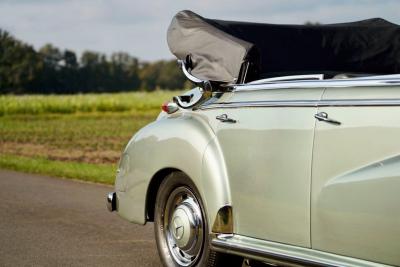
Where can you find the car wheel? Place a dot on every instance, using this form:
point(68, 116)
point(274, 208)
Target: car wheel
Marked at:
point(181, 227)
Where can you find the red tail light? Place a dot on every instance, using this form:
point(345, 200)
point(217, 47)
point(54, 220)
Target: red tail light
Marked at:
point(169, 107)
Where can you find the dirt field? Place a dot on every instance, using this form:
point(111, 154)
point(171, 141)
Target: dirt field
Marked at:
point(75, 134)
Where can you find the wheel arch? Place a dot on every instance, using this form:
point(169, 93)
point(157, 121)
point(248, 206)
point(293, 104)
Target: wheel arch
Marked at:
point(152, 190)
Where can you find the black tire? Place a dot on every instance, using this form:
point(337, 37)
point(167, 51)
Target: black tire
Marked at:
point(175, 186)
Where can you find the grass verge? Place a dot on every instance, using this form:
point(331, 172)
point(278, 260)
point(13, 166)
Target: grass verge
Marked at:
point(99, 173)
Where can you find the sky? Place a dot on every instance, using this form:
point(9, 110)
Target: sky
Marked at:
point(139, 27)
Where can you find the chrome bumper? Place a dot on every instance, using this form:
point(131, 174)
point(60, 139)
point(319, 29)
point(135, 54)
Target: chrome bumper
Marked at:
point(112, 201)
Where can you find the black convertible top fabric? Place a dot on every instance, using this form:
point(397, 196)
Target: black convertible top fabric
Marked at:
point(218, 48)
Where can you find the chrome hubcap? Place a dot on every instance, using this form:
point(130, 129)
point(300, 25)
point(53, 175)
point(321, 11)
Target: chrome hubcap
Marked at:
point(183, 224)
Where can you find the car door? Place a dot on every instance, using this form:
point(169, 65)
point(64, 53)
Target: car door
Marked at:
point(356, 174)
point(267, 147)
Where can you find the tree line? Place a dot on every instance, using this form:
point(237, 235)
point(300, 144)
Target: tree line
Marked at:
point(51, 70)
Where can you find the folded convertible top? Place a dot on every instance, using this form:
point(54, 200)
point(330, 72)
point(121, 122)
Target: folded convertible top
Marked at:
point(236, 52)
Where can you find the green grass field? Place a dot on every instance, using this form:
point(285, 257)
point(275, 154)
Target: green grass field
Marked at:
point(86, 103)
point(77, 136)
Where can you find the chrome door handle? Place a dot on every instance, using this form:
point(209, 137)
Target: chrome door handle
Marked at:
point(323, 116)
point(225, 118)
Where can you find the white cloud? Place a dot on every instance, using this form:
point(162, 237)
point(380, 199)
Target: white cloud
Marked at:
point(139, 27)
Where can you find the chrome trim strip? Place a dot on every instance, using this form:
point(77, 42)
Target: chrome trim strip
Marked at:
point(289, 78)
point(378, 77)
point(385, 80)
point(266, 250)
point(306, 103)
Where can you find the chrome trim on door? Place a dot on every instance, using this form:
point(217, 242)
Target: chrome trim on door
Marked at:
point(272, 251)
point(306, 103)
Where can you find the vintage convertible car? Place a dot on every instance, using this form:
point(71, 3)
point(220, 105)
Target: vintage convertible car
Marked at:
point(287, 151)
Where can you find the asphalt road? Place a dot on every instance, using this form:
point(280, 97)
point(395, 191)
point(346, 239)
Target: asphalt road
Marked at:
point(55, 222)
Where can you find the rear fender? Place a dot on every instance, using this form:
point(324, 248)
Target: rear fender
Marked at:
point(184, 142)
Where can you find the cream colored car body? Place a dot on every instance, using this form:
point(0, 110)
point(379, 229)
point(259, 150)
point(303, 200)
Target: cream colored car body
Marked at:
point(301, 190)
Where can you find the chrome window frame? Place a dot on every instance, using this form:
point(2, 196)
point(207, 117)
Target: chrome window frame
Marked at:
point(373, 81)
point(289, 78)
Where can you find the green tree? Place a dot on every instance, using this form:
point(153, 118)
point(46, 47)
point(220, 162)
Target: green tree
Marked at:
point(51, 70)
point(70, 59)
point(69, 72)
point(148, 75)
point(170, 76)
point(91, 71)
point(52, 64)
point(19, 65)
point(124, 71)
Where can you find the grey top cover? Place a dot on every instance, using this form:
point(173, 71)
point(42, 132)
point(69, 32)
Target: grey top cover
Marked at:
point(219, 48)
point(216, 55)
